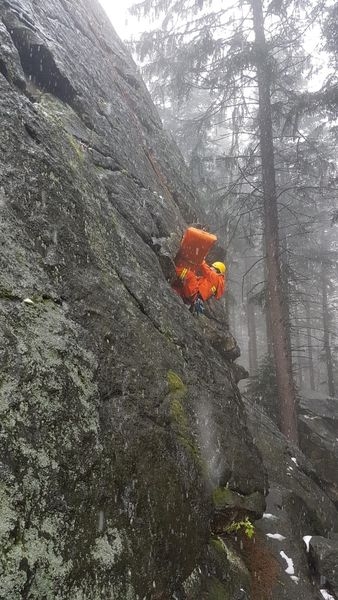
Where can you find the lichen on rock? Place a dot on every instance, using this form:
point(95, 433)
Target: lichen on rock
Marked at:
point(111, 396)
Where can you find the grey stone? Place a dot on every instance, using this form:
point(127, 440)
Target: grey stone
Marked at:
point(318, 428)
point(297, 506)
point(118, 416)
point(324, 556)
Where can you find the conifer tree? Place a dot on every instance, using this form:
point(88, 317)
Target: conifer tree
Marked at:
point(224, 49)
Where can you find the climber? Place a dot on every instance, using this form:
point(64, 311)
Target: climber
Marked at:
point(198, 285)
point(196, 281)
point(212, 282)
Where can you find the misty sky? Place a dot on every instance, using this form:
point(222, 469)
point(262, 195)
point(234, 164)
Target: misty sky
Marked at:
point(126, 25)
point(118, 14)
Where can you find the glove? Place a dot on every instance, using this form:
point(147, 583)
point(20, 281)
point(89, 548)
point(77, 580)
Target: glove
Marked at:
point(197, 308)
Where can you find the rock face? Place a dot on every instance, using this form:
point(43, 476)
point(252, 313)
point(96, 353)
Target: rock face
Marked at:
point(324, 555)
point(119, 418)
point(298, 511)
point(318, 427)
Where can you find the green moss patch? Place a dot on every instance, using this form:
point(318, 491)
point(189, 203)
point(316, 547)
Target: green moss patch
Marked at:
point(225, 498)
point(76, 147)
point(7, 294)
point(179, 417)
point(216, 590)
point(181, 425)
point(229, 572)
point(218, 545)
point(175, 382)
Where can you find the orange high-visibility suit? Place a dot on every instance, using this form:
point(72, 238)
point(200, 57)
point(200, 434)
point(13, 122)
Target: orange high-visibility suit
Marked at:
point(186, 284)
point(210, 283)
point(190, 286)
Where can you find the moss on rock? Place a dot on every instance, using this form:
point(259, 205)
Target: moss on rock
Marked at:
point(179, 417)
point(76, 146)
point(218, 545)
point(216, 590)
point(224, 498)
point(175, 382)
point(92, 420)
point(222, 575)
point(7, 294)
point(228, 567)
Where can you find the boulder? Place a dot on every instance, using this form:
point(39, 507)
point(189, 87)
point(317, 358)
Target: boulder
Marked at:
point(220, 338)
point(223, 574)
point(318, 429)
point(297, 507)
point(324, 557)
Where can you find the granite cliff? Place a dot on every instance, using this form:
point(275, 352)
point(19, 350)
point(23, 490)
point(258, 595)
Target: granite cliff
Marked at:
point(125, 450)
point(118, 418)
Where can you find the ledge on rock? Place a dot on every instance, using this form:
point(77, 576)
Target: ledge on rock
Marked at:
point(231, 506)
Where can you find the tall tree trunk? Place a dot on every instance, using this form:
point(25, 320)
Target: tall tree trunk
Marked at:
point(299, 349)
point(269, 347)
point(232, 319)
point(252, 334)
point(251, 322)
point(276, 306)
point(309, 347)
point(326, 327)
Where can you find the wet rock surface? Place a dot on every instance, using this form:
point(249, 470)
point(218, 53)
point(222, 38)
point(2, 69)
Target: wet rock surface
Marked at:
point(119, 417)
point(318, 427)
point(297, 508)
point(324, 553)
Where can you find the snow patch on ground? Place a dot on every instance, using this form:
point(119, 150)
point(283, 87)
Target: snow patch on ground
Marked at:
point(295, 461)
point(270, 516)
point(326, 595)
point(276, 536)
point(307, 539)
point(290, 568)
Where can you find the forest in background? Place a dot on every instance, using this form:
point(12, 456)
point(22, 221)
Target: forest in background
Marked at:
point(249, 91)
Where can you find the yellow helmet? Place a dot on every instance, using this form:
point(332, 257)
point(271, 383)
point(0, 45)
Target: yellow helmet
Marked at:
point(219, 266)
